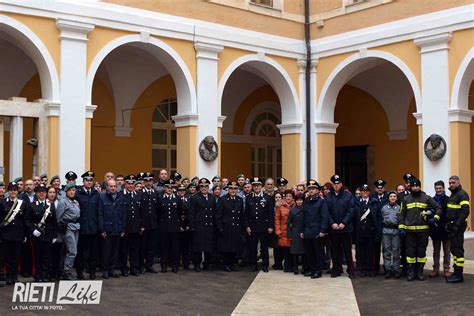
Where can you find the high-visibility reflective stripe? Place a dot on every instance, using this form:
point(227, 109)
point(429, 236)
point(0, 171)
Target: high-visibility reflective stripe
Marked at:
point(411, 260)
point(464, 203)
point(436, 217)
point(454, 257)
point(421, 227)
point(422, 260)
point(459, 264)
point(401, 226)
point(454, 205)
point(417, 204)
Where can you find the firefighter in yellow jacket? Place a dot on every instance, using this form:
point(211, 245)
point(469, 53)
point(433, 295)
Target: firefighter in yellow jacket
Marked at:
point(456, 217)
point(418, 211)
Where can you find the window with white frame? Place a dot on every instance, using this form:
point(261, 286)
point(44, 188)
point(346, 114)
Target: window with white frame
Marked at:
point(268, 3)
point(164, 137)
point(266, 146)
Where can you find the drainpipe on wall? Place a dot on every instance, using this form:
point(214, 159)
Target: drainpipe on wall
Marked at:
point(307, 37)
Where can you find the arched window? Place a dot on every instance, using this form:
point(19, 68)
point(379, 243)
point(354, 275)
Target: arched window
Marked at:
point(266, 146)
point(164, 137)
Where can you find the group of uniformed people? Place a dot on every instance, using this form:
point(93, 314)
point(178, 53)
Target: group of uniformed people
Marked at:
point(125, 225)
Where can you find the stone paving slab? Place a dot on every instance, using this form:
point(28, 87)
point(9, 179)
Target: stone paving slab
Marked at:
point(279, 293)
point(184, 293)
point(378, 296)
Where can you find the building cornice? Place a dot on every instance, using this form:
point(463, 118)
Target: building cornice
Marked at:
point(459, 115)
point(185, 120)
point(326, 128)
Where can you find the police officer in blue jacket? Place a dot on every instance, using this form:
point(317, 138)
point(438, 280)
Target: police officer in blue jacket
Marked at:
point(313, 228)
point(111, 226)
point(88, 199)
point(341, 209)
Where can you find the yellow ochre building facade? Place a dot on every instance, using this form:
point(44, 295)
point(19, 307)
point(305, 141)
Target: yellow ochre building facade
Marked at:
point(132, 85)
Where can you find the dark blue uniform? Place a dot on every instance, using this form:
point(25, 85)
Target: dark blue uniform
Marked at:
point(87, 247)
point(112, 222)
point(150, 219)
point(315, 221)
point(12, 235)
point(130, 242)
point(341, 209)
point(185, 235)
point(170, 216)
point(201, 222)
point(368, 235)
point(259, 217)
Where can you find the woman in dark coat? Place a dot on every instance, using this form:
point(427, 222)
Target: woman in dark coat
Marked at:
point(294, 222)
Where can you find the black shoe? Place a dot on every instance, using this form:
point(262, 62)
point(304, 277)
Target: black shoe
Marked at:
point(296, 271)
point(2, 283)
point(150, 269)
point(388, 274)
point(105, 275)
point(186, 267)
point(254, 269)
point(206, 267)
point(134, 272)
point(265, 269)
point(329, 271)
point(363, 274)
point(372, 274)
point(174, 269)
point(396, 274)
point(227, 269)
point(142, 270)
point(125, 273)
point(114, 274)
point(335, 274)
point(164, 268)
point(307, 274)
point(351, 275)
point(80, 275)
point(66, 276)
point(316, 275)
point(25, 274)
point(197, 268)
point(455, 278)
point(92, 276)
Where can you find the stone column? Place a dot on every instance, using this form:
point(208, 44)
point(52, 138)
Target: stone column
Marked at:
point(325, 151)
point(206, 88)
point(52, 111)
point(291, 152)
point(16, 147)
point(89, 115)
point(72, 127)
point(186, 144)
point(435, 103)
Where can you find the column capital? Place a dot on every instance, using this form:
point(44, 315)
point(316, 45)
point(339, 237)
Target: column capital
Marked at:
point(301, 62)
point(419, 118)
point(122, 131)
point(185, 120)
point(290, 128)
point(74, 30)
point(459, 115)
point(220, 120)
point(52, 109)
point(207, 50)
point(90, 111)
point(432, 43)
point(326, 128)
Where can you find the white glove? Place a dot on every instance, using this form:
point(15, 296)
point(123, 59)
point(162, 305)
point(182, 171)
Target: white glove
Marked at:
point(24, 240)
point(36, 233)
point(54, 240)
